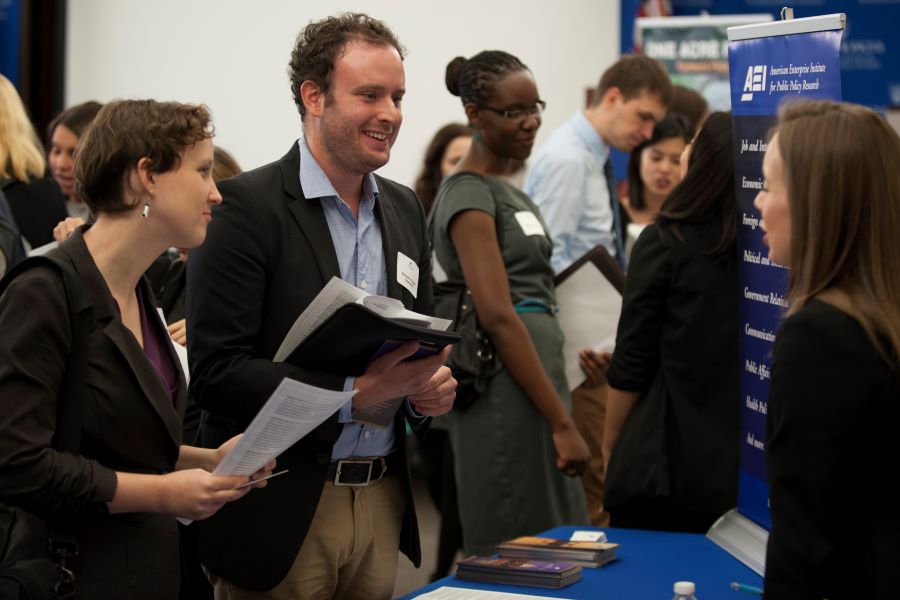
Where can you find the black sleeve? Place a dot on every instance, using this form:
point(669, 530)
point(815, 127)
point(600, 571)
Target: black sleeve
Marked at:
point(636, 356)
point(37, 207)
point(227, 287)
point(36, 337)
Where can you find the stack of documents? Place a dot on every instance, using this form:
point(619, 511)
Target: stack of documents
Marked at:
point(344, 328)
point(586, 554)
point(514, 571)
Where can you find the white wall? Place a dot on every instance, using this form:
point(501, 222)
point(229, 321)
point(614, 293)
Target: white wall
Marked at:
point(233, 54)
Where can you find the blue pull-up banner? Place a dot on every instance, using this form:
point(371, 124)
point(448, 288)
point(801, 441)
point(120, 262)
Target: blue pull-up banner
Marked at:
point(769, 64)
point(10, 24)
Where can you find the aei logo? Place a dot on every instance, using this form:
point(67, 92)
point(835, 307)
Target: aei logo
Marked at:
point(755, 82)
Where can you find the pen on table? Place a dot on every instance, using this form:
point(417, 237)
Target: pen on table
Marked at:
point(743, 587)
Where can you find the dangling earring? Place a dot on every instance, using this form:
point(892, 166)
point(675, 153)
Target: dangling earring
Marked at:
point(146, 212)
point(477, 136)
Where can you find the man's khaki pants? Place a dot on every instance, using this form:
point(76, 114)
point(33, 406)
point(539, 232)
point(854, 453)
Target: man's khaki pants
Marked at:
point(589, 414)
point(349, 552)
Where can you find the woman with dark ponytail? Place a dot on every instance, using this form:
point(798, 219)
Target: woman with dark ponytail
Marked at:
point(671, 437)
point(517, 451)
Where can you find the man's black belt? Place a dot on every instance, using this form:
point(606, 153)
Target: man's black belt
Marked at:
point(362, 471)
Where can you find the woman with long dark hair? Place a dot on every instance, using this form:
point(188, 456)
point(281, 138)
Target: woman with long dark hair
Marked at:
point(673, 409)
point(63, 134)
point(449, 144)
point(831, 212)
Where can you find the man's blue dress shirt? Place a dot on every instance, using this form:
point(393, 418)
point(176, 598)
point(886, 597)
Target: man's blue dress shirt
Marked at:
point(566, 180)
point(360, 254)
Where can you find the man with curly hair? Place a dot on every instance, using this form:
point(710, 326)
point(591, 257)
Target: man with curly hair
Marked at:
point(329, 528)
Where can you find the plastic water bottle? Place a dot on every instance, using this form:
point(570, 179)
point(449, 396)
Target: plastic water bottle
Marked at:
point(684, 590)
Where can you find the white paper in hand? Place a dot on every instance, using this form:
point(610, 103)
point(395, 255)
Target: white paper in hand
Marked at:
point(292, 411)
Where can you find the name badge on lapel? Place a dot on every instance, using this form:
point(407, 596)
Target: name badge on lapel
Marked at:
point(529, 223)
point(408, 274)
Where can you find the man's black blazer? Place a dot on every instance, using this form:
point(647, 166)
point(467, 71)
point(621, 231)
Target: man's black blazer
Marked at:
point(267, 253)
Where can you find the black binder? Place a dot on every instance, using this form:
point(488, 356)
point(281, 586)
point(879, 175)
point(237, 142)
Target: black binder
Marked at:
point(354, 335)
point(604, 263)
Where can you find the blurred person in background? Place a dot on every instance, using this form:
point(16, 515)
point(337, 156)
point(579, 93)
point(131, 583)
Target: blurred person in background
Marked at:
point(449, 144)
point(691, 105)
point(654, 169)
point(34, 198)
point(63, 134)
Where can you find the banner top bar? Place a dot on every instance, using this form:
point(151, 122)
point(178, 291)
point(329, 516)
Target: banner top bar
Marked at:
point(701, 20)
point(788, 27)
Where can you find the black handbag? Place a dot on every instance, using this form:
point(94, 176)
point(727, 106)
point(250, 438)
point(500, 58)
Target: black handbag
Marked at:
point(30, 569)
point(33, 550)
point(474, 359)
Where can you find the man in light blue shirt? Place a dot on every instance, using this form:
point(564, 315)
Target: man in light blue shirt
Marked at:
point(570, 178)
point(572, 181)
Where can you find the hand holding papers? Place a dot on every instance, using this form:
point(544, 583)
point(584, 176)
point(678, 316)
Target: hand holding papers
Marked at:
point(293, 410)
point(427, 384)
point(344, 330)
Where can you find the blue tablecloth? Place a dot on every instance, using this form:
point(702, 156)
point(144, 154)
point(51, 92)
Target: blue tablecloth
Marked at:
point(649, 563)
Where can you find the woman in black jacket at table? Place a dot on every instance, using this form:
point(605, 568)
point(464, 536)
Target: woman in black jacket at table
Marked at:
point(831, 212)
point(673, 407)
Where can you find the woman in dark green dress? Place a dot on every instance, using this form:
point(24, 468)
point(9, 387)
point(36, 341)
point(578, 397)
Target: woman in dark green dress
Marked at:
point(517, 451)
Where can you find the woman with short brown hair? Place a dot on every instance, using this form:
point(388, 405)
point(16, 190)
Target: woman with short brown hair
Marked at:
point(144, 168)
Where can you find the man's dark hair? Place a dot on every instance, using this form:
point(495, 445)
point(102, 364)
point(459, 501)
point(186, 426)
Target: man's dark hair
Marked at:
point(634, 74)
point(473, 79)
point(690, 104)
point(320, 42)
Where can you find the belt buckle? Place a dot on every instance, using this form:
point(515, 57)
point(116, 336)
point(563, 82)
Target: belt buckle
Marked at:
point(340, 465)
